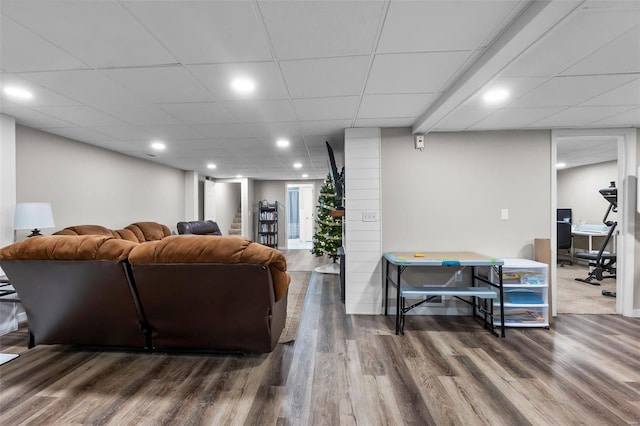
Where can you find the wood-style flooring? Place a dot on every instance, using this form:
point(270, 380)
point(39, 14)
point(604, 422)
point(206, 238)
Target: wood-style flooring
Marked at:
point(344, 370)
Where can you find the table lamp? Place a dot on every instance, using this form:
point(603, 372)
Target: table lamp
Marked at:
point(33, 216)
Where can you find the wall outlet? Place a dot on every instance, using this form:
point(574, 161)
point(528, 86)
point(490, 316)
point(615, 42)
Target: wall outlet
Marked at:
point(504, 214)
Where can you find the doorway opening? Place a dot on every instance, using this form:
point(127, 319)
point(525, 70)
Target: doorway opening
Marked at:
point(626, 183)
point(300, 216)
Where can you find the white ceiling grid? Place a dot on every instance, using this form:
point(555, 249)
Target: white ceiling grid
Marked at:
point(118, 74)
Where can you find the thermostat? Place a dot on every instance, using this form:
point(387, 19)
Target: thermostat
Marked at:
point(419, 141)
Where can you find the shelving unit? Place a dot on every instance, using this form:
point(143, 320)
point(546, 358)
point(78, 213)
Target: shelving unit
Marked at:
point(268, 223)
point(525, 283)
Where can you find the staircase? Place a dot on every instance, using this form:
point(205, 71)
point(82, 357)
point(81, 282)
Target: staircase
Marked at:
point(236, 225)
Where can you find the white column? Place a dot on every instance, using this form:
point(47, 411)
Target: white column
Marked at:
point(190, 195)
point(7, 178)
point(8, 311)
point(362, 224)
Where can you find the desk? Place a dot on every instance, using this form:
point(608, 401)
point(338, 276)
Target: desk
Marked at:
point(594, 234)
point(403, 260)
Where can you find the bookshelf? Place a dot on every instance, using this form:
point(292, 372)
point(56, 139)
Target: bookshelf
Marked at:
point(268, 223)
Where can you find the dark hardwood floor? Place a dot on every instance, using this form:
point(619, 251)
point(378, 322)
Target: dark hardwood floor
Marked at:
point(344, 369)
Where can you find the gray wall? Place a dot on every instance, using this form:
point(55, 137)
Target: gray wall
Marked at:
point(449, 197)
point(578, 189)
point(90, 185)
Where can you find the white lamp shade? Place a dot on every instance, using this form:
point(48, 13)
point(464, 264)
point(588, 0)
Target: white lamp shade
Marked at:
point(33, 216)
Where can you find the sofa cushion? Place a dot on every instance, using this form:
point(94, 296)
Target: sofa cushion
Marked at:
point(215, 249)
point(123, 234)
point(62, 247)
point(149, 231)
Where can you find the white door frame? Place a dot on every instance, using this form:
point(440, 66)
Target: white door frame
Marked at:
point(627, 181)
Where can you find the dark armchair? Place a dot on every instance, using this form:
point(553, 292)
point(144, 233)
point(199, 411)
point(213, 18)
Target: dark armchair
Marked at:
point(199, 227)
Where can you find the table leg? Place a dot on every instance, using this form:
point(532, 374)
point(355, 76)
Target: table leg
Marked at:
point(399, 271)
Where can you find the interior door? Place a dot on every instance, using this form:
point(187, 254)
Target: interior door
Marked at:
point(306, 212)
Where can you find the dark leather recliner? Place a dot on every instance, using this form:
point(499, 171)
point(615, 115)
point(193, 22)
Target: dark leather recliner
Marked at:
point(199, 227)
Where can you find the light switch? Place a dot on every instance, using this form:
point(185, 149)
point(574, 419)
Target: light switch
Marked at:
point(504, 214)
point(369, 216)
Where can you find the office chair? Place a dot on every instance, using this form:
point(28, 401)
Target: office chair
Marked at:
point(564, 240)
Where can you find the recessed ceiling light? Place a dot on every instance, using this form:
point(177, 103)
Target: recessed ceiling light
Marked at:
point(282, 143)
point(211, 166)
point(305, 175)
point(560, 165)
point(17, 92)
point(297, 165)
point(243, 85)
point(158, 146)
point(238, 176)
point(497, 95)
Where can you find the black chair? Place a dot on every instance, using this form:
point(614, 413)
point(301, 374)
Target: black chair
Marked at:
point(564, 240)
point(198, 227)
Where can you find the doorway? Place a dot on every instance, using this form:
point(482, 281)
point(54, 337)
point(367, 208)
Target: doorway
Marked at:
point(625, 139)
point(300, 216)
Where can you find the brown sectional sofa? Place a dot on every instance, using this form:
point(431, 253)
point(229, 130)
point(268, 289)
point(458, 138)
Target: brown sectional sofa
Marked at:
point(176, 293)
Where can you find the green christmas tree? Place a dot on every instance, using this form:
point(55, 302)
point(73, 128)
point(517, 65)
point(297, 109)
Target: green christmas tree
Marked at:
point(328, 236)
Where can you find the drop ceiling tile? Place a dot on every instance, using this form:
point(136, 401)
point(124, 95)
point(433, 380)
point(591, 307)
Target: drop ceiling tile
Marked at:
point(626, 119)
point(384, 122)
point(300, 30)
point(622, 55)
point(235, 130)
point(568, 91)
point(337, 108)
point(22, 50)
point(579, 116)
point(627, 94)
point(161, 84)
point(80, 115)
point(394, 106)
point(513, 118)
point(415, 26)
point(149, 133)
point(323, 127)
point(261, 111)
point(88, 87)
point(413, 72)
point(30, 118)
point(140, 115)
point(41, 95)
point(217, 78)
point(330, 76)
point(516, 86)
point(205, 31)
point(571, 41)
point(99, 33)
point(464, 117)
point(198, 113)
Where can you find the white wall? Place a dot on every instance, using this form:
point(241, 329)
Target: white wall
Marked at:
point(90, 185)
point(578, 190)
point(449, 197)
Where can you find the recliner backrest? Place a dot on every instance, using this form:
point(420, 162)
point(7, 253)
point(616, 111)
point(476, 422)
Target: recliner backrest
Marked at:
point(199, 227)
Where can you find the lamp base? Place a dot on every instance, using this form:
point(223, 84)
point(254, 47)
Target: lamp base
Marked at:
point(34, 233)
